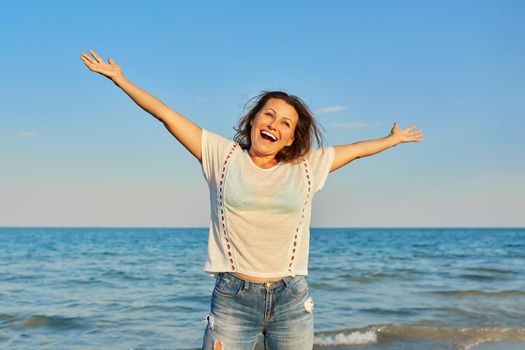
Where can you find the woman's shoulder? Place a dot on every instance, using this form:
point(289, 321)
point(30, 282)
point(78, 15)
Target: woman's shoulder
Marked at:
point(314, 154)
point(213, 140)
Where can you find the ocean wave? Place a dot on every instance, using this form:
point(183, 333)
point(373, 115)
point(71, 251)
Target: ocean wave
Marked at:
point(460, 338)
point(13, 278)
point(385, 311)
point(38, 321)
point(353, 338)
point(377, 276)
point(478, 277)
point(491, 270)
point(123, 275)
point(502, 293)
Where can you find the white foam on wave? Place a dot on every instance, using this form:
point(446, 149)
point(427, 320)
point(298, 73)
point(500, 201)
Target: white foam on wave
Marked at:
point(473, 343)
point(353, 338)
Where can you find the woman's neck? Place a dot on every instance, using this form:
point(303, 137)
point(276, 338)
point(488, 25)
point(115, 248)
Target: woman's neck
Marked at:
point(264, 162)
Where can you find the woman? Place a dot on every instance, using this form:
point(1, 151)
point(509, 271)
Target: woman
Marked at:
point(261, 189)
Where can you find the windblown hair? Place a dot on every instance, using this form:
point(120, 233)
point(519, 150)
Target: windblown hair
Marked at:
point(306, 131)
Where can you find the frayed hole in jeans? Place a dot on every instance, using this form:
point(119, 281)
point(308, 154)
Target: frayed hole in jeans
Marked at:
point(211, 320)
point(309, 305)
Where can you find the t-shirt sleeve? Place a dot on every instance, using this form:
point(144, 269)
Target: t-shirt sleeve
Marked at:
point(320, 161)
point(213, 147)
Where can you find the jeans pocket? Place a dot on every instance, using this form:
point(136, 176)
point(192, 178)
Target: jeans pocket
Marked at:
point(297, 286)
point(228, 286)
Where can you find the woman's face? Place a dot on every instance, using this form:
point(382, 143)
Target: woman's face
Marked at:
point(273, 128)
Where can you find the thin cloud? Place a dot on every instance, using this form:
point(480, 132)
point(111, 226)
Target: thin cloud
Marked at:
point(348, 125)
point(29, 134)
point(331, 109)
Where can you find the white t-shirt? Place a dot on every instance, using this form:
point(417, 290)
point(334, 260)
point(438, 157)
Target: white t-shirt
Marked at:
point(260, 218)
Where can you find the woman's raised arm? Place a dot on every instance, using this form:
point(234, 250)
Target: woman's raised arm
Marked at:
point(346, 153)
point(185, 131)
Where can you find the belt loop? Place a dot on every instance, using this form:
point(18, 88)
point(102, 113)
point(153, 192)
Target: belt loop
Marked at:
point(286, 281)
point(244, 283)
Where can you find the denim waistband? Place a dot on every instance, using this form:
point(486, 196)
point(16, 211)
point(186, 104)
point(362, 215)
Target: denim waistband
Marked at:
point(268, 284)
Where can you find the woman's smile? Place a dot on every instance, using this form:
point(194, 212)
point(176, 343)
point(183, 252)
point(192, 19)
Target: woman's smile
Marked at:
point(273, 128)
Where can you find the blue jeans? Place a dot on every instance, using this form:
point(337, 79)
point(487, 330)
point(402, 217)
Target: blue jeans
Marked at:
point(242, 312)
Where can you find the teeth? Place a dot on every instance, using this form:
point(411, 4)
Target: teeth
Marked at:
point(268, 134)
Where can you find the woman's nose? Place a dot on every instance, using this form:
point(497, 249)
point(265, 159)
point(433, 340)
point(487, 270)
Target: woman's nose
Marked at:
point(273, 124)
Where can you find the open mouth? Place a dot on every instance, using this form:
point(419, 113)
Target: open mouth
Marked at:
point(268, 136)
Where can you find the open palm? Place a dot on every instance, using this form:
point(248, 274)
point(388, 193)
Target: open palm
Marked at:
point(406, 135)
point(96, 64)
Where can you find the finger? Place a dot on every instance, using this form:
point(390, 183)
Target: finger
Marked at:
point(89, 65)
point(97, 57)
point(84, 59)
point(92, 66)
point(87, 58)
point(410, 128)
point(88, 62)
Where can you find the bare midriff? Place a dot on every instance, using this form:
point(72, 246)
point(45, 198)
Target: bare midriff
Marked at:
point(257, 279)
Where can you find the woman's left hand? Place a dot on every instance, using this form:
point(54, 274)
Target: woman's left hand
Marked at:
point(406, 135)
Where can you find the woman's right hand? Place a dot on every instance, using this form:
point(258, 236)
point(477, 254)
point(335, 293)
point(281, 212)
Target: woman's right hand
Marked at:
point(96, 64)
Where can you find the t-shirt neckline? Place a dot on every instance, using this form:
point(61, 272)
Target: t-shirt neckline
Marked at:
point(250, 160)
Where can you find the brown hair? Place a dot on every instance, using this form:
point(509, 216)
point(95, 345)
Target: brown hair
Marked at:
point(306, 130)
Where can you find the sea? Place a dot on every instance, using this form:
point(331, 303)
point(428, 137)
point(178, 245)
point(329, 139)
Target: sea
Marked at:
point(373, 288)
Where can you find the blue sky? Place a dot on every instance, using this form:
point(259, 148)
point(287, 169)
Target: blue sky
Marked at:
point(76, 151)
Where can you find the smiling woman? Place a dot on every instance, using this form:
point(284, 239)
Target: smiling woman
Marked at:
point(261, 188)
point(282, 117)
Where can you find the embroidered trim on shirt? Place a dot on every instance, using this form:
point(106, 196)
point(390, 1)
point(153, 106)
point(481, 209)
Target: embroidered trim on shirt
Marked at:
point(222, 215)
point(299, 225)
